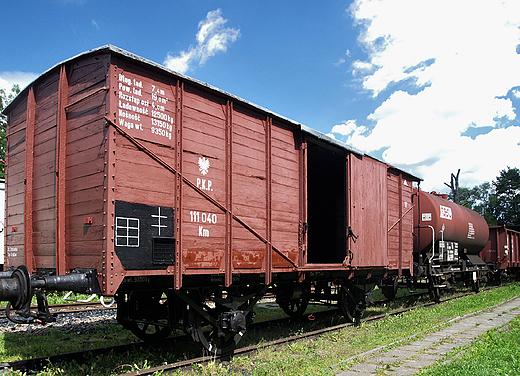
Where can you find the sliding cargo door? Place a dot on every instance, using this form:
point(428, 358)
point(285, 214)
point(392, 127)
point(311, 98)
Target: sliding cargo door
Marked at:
point(368, 212)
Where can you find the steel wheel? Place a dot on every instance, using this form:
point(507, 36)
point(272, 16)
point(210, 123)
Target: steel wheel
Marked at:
point(150, 316)
point(209, 338)
point(293, 299)
point(149, 332)
point(389, 288)
point(294, 308)
point(348, 306)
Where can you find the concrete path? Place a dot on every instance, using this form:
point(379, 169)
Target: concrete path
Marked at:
point(412, 358)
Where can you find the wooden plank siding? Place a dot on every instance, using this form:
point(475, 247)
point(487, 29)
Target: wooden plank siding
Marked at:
point(85, 169)
point(400, 222)
point(15, 184)
point(285, 188)
point(367, 212)
point(84, 134)
point(108, 127)
point(249, 186)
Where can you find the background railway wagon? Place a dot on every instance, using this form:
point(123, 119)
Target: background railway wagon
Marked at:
point(120, 165)
point(502, 248)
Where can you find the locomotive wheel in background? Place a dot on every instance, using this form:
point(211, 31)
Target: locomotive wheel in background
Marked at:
point(152, 311)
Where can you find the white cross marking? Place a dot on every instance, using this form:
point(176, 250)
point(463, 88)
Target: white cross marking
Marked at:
point(159, 216)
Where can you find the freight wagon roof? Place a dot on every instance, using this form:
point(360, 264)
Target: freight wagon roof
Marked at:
point(116, 50)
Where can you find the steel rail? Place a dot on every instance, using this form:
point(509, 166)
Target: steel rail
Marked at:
point(69, 307)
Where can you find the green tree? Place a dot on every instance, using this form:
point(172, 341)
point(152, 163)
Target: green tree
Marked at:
point(498, 202)
point(479, 198)
point(506, 200)
point(5, 99)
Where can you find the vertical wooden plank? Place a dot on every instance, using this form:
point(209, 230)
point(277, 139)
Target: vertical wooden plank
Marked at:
point(500, 256)
point(61, 149)
point(109, 210)
point(269, 194)
point(515, 252)
point(228, 257)
point(178, 186)
point(400, 258)
point(113, 272)
point(29, 180)
point(302, 246)
point(348, 192)
point(175, 90)
point(5, 224)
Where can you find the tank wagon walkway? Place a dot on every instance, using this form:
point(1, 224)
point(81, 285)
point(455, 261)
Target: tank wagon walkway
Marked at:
point(413, 357)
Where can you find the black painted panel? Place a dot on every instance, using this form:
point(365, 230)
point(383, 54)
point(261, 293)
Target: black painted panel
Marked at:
point(144, 235)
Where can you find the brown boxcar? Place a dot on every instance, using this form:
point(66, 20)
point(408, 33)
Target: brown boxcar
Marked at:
point(153, 181)
point(502, 248)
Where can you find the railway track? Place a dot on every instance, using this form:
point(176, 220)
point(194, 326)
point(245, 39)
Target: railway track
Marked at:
point(35, 364)
point(70, 307)
point(244, 351)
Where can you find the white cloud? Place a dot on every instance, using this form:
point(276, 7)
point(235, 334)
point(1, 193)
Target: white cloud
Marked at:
point(459, 62)
point(8, 79)
point(350, 130)
point(339, 62)
point(211, 38)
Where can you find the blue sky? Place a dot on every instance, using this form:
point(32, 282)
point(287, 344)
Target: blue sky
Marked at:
point(428, 86)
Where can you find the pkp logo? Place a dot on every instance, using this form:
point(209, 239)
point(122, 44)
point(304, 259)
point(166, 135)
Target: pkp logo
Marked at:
point(203, 165)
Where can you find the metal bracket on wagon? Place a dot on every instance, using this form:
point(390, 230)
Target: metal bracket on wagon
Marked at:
point(351, 234)
point(350, 255)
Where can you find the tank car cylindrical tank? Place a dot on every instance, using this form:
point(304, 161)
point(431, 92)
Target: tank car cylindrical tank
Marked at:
point(437, 217)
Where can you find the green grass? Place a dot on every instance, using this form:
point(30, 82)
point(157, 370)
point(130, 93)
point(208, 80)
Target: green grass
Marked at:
point(324, 355)
point(16, 346)
point(496, 352)
point(317, 356)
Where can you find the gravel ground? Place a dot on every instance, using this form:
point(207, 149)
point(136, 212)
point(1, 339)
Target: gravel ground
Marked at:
point(80, 323)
